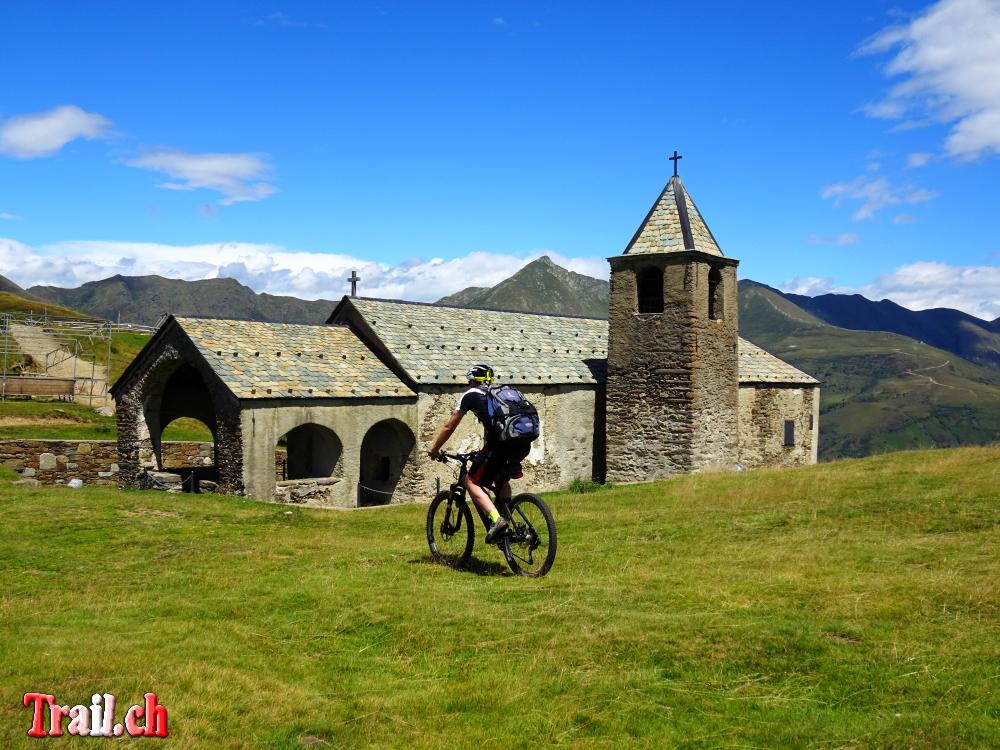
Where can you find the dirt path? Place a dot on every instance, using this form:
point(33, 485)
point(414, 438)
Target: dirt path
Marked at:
point(932, 381)
point(55, 359)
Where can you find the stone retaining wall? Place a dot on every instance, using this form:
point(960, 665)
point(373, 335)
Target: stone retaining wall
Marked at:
point(92, 461)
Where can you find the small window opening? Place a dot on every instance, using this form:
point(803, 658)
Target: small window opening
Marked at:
point(715, 294)
point(789, 432)
point(810, 421)
point(383, 469)
point(649, 282)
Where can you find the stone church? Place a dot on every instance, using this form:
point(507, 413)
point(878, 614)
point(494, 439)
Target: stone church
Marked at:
point(341, 414)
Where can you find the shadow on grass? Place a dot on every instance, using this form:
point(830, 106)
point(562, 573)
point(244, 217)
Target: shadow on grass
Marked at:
point(475, 566)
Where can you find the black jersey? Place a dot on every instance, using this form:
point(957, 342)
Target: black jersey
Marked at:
point(476, 401)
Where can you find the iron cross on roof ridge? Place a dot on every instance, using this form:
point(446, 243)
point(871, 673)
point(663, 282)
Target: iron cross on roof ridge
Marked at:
point(675, 158)
point(354, 279)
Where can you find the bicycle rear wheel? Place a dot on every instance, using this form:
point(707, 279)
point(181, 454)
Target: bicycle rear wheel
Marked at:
point(450, 532)
point(530, 542)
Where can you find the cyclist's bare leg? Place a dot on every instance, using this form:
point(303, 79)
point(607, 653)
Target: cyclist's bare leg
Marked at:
point(503, 489)
point(480, 498)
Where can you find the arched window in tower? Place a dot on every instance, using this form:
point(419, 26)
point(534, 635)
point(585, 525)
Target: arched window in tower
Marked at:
point(715, 294)
point(649, 284)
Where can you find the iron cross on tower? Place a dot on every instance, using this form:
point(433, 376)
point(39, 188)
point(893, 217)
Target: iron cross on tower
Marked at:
point(675, 158)
point(354, 279)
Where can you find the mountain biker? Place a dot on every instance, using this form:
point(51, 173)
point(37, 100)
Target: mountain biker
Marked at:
point(494, 463)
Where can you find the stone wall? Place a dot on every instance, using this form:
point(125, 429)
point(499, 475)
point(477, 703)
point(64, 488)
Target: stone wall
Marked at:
point(763, 410)
point(715, 370)
point(92, 461)
point(322, 491)
point(265, 421)
point(673, 375)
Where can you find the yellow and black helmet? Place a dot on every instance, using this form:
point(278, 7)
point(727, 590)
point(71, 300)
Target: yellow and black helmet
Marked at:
point(482, 374)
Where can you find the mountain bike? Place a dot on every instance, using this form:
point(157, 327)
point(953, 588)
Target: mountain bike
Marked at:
point(528, 543)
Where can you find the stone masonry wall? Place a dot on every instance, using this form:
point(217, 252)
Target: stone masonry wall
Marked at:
point(715, 372)
point(762, 414)
point(265, 421)
point(92, 461)
point(649, 388)
point(672, 376)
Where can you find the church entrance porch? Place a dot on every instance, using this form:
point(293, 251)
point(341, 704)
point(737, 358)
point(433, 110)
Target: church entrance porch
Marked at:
point(318, 453)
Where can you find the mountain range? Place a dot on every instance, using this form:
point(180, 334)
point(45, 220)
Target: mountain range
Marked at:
point(144, 299)
point(541, 286)
point(892, 378)
point(972, 338)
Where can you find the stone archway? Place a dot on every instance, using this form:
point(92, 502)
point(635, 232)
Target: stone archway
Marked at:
point(312, 452)
point(386, 465)
point(172, 383)
point(309, 465)
point(183, 394)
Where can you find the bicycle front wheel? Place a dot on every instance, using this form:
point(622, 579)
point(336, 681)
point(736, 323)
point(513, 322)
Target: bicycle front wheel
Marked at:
point(450, 532)
point(530, 541)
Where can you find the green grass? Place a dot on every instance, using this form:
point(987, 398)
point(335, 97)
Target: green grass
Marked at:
point(852, 604)
point(61, 420)
point(124, 347)
point(13, 303)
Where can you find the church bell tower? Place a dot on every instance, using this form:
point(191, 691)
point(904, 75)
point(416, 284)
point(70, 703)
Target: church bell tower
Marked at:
point(673, 382)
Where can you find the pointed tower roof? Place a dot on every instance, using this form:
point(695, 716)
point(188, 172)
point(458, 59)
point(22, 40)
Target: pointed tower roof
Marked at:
point(673, 224)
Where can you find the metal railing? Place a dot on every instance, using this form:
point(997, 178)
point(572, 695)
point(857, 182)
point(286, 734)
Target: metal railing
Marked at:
point(52, 342)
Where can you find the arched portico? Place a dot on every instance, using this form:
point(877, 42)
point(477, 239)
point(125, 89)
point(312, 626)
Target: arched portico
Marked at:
point(175, 383)
point(386, 454)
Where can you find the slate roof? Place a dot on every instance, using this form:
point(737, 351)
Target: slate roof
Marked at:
point(436, 344)
point(285, 360)
point(759, 366)
point(673, 224)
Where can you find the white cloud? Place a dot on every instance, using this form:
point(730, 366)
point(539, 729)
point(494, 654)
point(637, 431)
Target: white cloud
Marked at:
point(499, 21)
point(239, 177)
point(874, 194)
point(918, 159)
point(282, 19)
point(919, 286)
point(44, 133)
point(905, 219)
point(948, 63)
point(847, 238)
point(268, 268)
point(808, 285)
point(4, 216)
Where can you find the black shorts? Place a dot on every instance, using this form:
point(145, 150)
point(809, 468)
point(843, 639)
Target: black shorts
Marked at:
point(500, 462)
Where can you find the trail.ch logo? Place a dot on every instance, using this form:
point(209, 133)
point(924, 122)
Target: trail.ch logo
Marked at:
point(96, 720)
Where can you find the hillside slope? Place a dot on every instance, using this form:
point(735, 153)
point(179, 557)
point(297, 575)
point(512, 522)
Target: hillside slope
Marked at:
point(847, 605)
point(881, 391)
point(8, 286)
point(15, 303)
point(952, 330)
point(542, 287)
point(143, 299)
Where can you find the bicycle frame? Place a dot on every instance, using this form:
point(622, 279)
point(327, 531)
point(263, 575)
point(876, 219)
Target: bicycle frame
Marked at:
point(458, 492)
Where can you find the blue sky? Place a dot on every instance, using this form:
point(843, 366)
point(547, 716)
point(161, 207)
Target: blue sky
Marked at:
point(831, 146)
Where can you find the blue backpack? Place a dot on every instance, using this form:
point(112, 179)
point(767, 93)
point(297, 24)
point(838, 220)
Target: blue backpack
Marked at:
point(512, 416)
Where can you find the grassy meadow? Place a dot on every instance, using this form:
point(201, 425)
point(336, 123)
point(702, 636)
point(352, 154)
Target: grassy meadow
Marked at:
point(847, 605)
point(39, 419)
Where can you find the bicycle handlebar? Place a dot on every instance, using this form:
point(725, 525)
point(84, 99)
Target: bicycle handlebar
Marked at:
point(460, 457)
